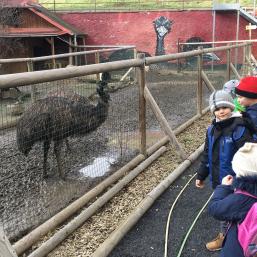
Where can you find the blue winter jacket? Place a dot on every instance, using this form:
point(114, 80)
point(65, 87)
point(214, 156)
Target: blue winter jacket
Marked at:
point(251, 111)
point(222, 141)
point(227, 206)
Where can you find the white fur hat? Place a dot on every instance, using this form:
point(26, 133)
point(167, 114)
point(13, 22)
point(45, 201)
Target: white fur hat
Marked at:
point(230, 87)
point(244, 162)
point(219, 99)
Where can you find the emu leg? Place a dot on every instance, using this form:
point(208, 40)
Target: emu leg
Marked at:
point(67, 145)
point(46, 149)
point(57, 152)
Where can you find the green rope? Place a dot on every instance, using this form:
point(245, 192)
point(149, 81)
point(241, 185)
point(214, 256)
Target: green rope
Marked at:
point(169, 216)
point(191, 227)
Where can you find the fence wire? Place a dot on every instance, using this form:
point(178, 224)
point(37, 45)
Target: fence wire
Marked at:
point(27, 198)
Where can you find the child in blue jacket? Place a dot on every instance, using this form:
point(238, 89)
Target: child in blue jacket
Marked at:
point(227, 133)
point(247, 96)
point(233, 207)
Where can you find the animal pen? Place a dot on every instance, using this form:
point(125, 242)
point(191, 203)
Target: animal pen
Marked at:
point(147, 109)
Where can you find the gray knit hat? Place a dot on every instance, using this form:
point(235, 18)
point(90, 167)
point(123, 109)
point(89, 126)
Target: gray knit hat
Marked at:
point(219, 99)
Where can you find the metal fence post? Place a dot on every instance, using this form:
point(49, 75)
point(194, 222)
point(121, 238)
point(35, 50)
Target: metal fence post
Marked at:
point(142, 105)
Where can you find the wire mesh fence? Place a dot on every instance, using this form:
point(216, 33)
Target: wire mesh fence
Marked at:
point(110, 5)
point(99, 5)
point(86, 158)
point(92, 128)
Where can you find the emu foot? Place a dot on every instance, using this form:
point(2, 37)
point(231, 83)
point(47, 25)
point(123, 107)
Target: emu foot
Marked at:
point(63, 177)
point(61, 174)
point(45, 175)
point(68, 147)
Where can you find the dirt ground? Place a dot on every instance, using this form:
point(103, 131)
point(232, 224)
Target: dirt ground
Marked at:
point(147, 238)
point(27, 199)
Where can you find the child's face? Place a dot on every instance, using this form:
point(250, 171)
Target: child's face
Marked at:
point(244, 101)
point(223, 113)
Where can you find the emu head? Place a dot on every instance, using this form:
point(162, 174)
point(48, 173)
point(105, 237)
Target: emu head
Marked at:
point(102, 88)
point(105, 76)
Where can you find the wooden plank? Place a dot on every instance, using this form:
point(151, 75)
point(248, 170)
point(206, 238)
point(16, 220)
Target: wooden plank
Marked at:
point(163, 122)
point(233, 69)
point(207, 81)
point(126, 74)
point(253, 59)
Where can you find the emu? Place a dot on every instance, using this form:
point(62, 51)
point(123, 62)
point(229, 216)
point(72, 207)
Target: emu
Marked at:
point(55, 118)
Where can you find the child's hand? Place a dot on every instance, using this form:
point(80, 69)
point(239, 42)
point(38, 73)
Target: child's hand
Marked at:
point(227, 180)
point(199, 183)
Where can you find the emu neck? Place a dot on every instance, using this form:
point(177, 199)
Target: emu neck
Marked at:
point(102, 111)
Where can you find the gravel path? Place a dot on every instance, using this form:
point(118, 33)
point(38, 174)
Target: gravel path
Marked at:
point(147, 238)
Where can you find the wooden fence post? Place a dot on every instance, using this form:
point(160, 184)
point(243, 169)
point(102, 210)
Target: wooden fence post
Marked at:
point(228, 64)
point(97, 60)
point(244, 61)
point(199, 90)
point(142, 105)
point(164, 123)
point(249, 52)
point(30, 67)
point(178, 60)
point(53, 52)
point(70, 51)
point(135, 70)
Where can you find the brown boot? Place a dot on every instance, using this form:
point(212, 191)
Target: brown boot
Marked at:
point(216, 243)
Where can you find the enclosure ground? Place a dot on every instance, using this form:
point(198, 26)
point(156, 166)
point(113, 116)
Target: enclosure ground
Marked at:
point(28, 199)
point(146, 239)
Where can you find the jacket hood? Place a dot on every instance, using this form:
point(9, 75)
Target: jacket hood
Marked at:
point(247, 183)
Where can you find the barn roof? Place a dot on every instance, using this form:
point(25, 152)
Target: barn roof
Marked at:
point(57, 25)
point(18, 3)
point(56, 19)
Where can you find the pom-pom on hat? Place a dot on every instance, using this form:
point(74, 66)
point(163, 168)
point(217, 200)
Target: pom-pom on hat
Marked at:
point(230, 86)
point(220, 99)
point(247, 87)
point(244, 162)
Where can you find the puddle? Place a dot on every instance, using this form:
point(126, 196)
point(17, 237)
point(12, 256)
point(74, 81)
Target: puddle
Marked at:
point(98, 168)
